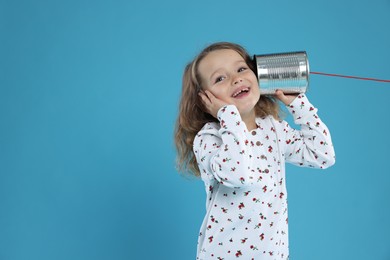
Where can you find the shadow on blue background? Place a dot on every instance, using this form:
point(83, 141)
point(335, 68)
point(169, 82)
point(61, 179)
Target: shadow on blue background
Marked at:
point(88, 101)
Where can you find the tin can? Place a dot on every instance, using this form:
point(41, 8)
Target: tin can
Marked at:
point(288, 72)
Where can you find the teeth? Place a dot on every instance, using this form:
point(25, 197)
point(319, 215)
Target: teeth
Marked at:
point(240, 91)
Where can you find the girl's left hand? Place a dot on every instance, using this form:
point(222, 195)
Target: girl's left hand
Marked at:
point(286, 99)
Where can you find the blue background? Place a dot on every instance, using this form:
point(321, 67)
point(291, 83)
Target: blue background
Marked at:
point(89, 92)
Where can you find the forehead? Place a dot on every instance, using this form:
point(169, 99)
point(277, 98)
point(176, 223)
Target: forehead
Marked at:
point(219, 59)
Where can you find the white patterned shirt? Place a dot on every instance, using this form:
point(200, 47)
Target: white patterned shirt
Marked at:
point(244, 176)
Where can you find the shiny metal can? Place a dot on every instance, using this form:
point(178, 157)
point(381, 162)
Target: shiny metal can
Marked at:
point(288, 72)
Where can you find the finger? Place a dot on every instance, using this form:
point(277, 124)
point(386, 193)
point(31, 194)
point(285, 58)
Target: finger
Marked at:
point(280, 95)
point(207, 94)
point(203, 95)
point(210, 96)
point(286, 99)
point(205, 99)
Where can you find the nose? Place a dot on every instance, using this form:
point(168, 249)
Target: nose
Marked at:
point(237, 80)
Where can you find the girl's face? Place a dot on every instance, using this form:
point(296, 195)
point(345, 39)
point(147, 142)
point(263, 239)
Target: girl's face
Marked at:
point(227, 76)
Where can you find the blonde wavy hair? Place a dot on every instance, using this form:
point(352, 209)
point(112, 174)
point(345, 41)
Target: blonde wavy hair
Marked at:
point(192, 116)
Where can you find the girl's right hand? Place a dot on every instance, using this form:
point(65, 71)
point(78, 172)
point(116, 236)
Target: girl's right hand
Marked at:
point(211, 102)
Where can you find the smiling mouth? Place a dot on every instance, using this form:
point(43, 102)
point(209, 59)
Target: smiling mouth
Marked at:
point(240, 92)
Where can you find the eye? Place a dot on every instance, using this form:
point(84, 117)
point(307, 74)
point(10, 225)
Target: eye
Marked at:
point(241, 69)
point(219, 79)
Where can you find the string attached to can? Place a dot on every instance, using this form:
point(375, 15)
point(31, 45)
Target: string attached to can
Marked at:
point(349, 77)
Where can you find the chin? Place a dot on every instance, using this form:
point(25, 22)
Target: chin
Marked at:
point(246, 109)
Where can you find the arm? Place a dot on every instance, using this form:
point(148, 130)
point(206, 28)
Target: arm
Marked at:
point(224, 154)
point(312, 145)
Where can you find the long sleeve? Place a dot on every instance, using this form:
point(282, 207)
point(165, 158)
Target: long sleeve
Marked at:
point(311, 146)
point(223, 152)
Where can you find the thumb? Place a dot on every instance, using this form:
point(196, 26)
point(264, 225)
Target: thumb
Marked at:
point(280, 95)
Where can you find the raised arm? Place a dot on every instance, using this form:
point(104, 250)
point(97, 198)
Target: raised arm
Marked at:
point(311, 146)
point(224, 154)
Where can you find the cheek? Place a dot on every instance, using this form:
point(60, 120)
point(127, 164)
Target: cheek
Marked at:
point(255, 80)
point(219, 92)
point(256, 91)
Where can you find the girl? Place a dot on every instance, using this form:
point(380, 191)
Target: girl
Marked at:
point(232, 137)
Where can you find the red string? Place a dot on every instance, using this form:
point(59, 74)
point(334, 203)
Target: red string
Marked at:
point(350, 77)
